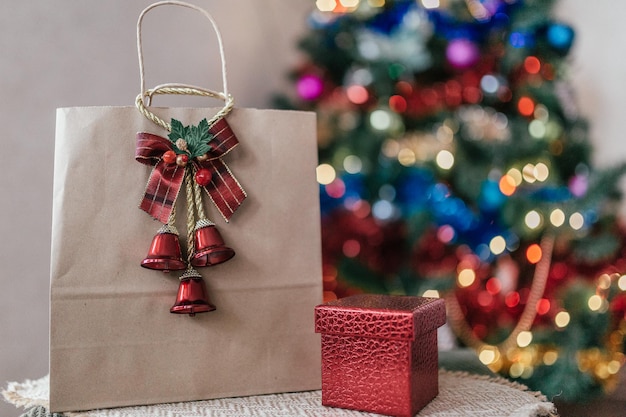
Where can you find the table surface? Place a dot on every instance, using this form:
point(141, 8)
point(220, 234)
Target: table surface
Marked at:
point(474, 391)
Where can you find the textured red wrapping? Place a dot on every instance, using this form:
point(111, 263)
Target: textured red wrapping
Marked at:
point(379, 353)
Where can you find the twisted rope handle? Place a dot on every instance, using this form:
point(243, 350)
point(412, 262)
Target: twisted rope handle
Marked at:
point(180, 89)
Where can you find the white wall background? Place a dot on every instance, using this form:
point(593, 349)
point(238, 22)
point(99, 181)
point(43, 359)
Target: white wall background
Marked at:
point(77, 53)
point(598, 72)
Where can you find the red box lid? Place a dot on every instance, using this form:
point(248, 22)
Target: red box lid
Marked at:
point(380, 316)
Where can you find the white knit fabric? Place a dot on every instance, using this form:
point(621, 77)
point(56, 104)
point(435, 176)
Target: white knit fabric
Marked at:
point(460, 395)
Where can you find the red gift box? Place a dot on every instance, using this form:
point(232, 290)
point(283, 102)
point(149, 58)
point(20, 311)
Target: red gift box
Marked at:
point(379, 352)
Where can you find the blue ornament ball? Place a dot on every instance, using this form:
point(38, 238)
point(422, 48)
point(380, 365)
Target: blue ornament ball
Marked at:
point(491, 198)
point(520, 39)
point(560, 36)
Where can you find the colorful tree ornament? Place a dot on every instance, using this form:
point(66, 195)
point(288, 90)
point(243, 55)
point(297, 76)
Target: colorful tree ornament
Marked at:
point(462, 53)
point(310, 87)
point(560, 36)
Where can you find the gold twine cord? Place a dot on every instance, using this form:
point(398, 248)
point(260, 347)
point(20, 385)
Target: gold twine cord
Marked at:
point(199, 204)
point(170, 226)
point(195, 8)
point(181, 89)
point(537, 288)
point(190, 214)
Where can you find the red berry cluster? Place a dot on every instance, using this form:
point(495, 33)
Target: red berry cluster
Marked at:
point(203, 175)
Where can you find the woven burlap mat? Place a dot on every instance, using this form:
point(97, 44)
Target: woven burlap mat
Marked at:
point(460, 395)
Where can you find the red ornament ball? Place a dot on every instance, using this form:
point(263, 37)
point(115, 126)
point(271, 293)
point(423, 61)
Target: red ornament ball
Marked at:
point(169, 157)
point(181, 160)
point(203, 177)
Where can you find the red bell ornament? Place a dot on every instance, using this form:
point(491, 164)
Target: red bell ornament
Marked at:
point(209, 246)
point(165, 254)
point(192, 295)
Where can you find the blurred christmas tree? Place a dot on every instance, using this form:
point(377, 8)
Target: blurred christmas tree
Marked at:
point(453, 163)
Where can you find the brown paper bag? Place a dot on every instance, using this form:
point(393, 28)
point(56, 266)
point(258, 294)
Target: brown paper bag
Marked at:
point(113, 341)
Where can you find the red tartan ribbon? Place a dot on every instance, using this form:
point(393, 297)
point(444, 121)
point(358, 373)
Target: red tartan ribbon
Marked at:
point(166, 179)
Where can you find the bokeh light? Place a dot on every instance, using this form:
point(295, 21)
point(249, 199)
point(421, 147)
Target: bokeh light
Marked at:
point(431, 294)
point(446, 233)
point(309, 87)
point(357, 94)
point(543, 306)
point(489, 84)
point(526, 106)
point(550, 357)
point(325, 174)
point(524, 338)
point(466, 277)
point(406, 157)
point(594, 303)
point(430, 4)
point(512, 299)
point(562, 319)
point(397, 103)
point(604, 281)
point(528, 173)
point(493, 286)
point(349, 3)
point(537, 129)
point(541, 172)
point(462, 53)
point(557, 217)
point(352, 164)
point(380, 119)
point(533, 253)
point(532, 65)
point(516, 175)
point(576, 221)
point(383, 210)
point(445, 159)
point(507, 185)
point(533, 219)
point(497, 245)
point(488, 355)
point(336, 189)
point(326, 5)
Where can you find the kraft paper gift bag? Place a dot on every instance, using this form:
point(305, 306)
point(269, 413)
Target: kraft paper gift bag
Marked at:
point(113, 340)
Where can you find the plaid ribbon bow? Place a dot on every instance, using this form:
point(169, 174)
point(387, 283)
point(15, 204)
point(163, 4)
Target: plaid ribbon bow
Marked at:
point(166, 179)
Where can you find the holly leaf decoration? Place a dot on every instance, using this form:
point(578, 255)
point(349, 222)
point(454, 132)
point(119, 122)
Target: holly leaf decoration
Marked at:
point(178, 131)
point(197, 137)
